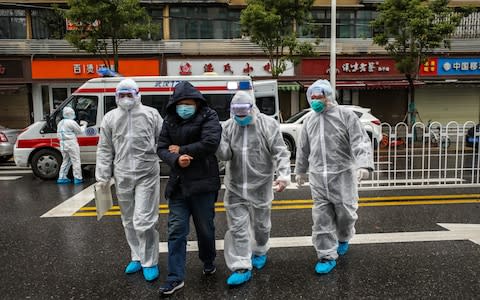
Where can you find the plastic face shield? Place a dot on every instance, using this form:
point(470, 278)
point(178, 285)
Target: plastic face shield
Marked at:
point(241, 109)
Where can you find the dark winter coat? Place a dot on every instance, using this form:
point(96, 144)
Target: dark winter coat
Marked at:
point(199, 137)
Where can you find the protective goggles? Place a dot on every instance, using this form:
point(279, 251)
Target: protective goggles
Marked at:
point(241, 109)
point(317, 93)
point(126, 93)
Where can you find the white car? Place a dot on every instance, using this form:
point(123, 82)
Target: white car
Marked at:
point(291, 128)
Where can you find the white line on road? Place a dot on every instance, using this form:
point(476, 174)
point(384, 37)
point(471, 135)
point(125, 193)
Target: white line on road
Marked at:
point(70, 206)
point(10, 177)
point(13, 167)
point(16, 172)
point(454, 232)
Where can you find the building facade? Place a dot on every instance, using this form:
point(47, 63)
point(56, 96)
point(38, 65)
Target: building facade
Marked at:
point(38, 68)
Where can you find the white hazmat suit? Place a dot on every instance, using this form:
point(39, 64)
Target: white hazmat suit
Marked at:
point(67, 131)
point(128, 150)
point(252, 152)
point(334, 148)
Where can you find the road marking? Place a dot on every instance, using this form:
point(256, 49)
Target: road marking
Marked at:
point(16, 172)
point(68, 207)
point(296, 204)
point(454, 232)
point(13, 167)
point(10, 177)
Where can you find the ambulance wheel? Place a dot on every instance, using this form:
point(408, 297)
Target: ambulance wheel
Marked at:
point(46, 164)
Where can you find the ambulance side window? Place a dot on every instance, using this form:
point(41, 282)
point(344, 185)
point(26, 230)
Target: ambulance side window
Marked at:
point(157, 101)
point(266, 105)
point(85, 108)
point(109, 102)
point(220, 103)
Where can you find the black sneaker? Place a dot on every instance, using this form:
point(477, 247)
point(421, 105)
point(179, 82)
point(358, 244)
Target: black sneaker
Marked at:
point(170, 287)
point(209, 269)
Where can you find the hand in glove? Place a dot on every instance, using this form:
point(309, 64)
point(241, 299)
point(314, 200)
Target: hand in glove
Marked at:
point(362, 173)
point(279, 185)
point(103, 184)
point(300, 179)
point(83, 123)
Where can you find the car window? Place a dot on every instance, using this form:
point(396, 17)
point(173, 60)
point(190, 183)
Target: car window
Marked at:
point(296, 116)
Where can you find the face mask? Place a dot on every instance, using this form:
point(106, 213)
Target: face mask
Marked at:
point(185, 111)
point(126, 103)
point(317, 105)
point(70, 117)
point(243, 121)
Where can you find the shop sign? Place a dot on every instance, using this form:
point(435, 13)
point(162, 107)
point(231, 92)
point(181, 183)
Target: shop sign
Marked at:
point(252, 67)
point(458, 66)
point(87, 68)
point(351, 67)
point(11, 69)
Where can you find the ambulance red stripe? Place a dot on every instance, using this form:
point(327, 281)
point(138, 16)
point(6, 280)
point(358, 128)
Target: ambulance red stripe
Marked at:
point(150, 89)
point(83, 141)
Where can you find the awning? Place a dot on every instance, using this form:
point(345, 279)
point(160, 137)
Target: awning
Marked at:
point(289, 86)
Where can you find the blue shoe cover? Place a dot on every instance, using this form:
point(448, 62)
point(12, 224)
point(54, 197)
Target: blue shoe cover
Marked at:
point(133, 267)
point(150, 273)
point(77, 181)
point(259, 261)
point(238, 278)
point(63, 180)
point(342, 248)
point(324, 267)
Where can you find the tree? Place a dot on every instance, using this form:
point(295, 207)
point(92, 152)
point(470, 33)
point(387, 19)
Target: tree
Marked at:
point(98, 21)
point(271, 25)
point(410, 30)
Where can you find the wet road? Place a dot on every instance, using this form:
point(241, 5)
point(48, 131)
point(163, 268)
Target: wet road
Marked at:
point(78, 257)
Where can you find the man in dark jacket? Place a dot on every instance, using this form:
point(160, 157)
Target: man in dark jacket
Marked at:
point(188, 141)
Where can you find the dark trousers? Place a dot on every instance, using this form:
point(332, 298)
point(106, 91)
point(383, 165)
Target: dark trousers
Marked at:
point(202, 209)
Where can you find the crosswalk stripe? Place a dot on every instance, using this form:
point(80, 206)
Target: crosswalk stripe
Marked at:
point(4, 178)
point(10, 172)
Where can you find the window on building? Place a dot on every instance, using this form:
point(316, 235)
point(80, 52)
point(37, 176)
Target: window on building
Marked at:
point(350, 24)
point(47, 24)
point(13, 24)
point(157, 18)
point(204, 22)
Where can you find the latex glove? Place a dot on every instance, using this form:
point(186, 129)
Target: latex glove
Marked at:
point(300, 179)
point(279, 185)
point(83, 123)
point(362, 173)
point(103, 184)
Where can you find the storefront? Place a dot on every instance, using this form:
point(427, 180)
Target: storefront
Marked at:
point(15, 108)
point(371, 82)
point(56, 79)
point(257, 68)
point(452, 90)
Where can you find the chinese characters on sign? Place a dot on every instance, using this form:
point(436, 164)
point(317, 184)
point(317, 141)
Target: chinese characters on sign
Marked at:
point(451, 66)
point(237, 67)
point(79, 69)
point(362, 67)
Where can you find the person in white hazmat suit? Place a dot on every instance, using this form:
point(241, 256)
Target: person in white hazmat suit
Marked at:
point(67, 131)
point(336, 151)
point(253, 147)
point(128, 150)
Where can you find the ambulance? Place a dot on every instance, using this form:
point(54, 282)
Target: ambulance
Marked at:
point(38, 146)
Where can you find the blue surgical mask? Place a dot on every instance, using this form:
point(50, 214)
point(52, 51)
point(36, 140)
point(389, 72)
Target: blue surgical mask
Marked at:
point(243, 121)
point(317, 105)
point(185, 111)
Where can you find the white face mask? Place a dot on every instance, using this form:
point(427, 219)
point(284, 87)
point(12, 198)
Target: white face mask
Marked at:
point(126, 103)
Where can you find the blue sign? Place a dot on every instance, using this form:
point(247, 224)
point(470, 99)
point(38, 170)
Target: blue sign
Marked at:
point(459, 66)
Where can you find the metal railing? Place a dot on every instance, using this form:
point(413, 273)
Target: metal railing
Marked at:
point(425, 155)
